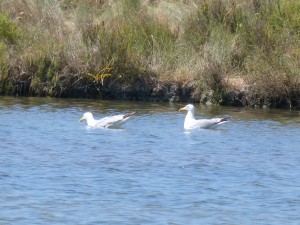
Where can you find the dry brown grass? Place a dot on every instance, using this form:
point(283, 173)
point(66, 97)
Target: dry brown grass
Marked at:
point(209, 47)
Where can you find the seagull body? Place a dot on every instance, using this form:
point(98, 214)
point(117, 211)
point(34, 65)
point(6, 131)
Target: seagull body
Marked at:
point(106, 122)
point(191, 123)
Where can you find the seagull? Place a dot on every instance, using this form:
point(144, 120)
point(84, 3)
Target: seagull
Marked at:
point(191, 123)
point(106, 122)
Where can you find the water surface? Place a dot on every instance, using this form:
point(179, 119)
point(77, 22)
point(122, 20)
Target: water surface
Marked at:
point(55, 170)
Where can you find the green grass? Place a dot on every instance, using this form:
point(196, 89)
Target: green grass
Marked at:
point(84, 48)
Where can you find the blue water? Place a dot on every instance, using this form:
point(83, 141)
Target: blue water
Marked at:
point(55, 170)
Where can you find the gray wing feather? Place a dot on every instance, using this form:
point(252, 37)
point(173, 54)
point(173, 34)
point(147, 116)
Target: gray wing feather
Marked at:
point(114, 121)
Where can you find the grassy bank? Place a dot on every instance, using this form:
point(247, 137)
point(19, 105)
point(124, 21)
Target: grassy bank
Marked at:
point(223, 52)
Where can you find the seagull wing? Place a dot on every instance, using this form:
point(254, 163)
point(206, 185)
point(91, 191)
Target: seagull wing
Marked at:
point(209, 123)
point(113, 121)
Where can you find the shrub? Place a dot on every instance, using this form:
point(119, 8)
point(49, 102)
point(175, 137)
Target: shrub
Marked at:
point(9, 32)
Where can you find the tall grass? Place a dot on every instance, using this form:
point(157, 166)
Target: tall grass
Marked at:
point(89, 48)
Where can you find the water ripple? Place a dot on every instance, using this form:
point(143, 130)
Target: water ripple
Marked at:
point(55, 170)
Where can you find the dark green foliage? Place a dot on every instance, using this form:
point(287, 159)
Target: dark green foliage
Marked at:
point(9, 32)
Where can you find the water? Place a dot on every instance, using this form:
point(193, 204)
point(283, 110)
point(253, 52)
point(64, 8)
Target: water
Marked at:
point(55, 170)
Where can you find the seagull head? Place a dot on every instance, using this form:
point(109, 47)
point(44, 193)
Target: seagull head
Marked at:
point(189, 108)
point(86, 116)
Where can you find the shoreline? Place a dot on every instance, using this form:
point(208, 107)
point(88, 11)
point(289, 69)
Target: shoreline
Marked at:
point(234, 95)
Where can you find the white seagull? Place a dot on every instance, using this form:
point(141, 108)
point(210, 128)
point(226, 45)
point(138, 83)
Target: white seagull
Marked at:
point(106, 122)
point(191, 123)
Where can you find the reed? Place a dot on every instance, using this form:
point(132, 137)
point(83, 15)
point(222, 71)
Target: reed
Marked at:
point(83, 48)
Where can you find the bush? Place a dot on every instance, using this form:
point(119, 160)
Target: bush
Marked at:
point(9, 32)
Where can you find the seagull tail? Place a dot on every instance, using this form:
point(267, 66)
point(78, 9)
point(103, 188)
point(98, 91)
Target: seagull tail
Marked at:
point(225, 119)
point(128, 115)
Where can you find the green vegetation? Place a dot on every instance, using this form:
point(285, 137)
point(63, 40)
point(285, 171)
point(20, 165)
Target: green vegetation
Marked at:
point(109, 48)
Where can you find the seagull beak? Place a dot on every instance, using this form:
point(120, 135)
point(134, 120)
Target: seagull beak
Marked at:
point(182, 109)
point(81, 119)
